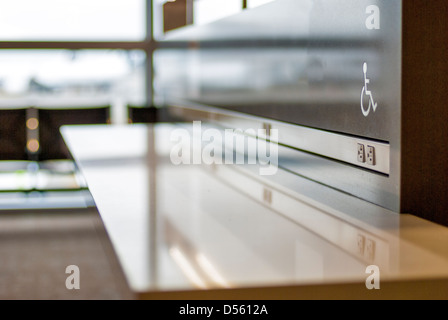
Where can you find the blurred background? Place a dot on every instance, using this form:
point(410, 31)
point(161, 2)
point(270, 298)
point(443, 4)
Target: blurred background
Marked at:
point(75, 53)
point(68, 62)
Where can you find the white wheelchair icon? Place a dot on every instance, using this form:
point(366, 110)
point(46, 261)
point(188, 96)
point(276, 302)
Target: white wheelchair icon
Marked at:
point(365, 92)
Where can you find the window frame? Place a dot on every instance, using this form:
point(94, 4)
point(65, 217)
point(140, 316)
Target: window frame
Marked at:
point(148, 45)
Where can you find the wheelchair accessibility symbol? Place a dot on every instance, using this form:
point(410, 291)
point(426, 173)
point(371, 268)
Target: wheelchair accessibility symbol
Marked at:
point(365, 93)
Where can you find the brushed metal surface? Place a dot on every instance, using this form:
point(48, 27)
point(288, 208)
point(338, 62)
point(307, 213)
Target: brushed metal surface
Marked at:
point(304, 68)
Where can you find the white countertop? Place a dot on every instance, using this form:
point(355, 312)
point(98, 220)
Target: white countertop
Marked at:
point(202, 228)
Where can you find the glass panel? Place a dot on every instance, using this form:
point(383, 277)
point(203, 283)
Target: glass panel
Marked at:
point(73, 20)
point(206, 11)
point(74, 78)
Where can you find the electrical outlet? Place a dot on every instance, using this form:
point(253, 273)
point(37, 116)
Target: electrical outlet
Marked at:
point(361, 153)
point(267, 196)
point(371, 156)
point(370, 249)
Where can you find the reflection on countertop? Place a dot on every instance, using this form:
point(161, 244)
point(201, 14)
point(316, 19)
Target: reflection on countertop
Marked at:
point(190, 227)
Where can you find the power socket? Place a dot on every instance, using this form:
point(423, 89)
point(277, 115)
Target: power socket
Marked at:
point(361, 153)
point(371, 156)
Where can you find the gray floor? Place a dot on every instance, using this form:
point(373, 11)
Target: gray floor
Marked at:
point(36, 246)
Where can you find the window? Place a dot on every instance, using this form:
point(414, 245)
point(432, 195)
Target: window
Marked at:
point(72, 78)
point(73, 20)
point(64, 73)
point(57, 56)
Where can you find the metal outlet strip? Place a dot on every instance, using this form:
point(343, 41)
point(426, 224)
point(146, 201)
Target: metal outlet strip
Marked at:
point(365, 153)
point(373, 155)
